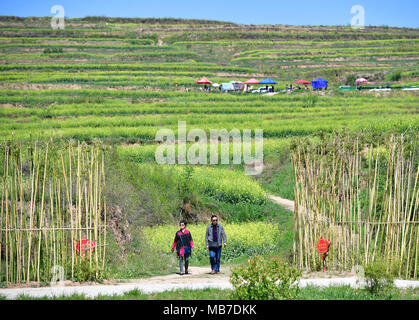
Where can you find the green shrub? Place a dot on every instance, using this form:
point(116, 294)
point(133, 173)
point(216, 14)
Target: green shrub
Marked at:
point(265, 279)
point(187, 195)
point(53, 50)
point(378, 280)
point(309, 101)
point(86, 272)
point(394, 76)
point(350, 80)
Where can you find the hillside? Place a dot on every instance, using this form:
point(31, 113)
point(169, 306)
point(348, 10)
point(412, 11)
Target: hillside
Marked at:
point(120, 80)
point(52, 76)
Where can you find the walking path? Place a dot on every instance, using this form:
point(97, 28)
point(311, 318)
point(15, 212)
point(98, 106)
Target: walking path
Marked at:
point(198, 279)
point(287, 204)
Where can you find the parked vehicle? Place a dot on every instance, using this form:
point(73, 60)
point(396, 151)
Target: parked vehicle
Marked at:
point(260, 90)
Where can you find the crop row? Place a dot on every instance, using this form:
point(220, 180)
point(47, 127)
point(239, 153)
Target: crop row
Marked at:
point(83, 46)
point(166, 77)
point(46, 75)
point(145, 153)
point(301, 43)
point(201, 121)
point(147, 44)
point(181, 99)
point(227, 35)
point(32, 40)
point(271, 128)
point(74, 33)
point(389, 55)
point(167, 56)
point(63, 95)
point(156, 66)
point(316, 51)
point(133, 118)
point(280, 109)
point(160, 81)
point(96, 56)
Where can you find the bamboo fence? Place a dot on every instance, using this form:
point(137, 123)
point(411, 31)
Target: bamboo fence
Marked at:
point(361, 196)
point(52, 196)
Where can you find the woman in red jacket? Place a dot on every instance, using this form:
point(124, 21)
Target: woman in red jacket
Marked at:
point(184, 244)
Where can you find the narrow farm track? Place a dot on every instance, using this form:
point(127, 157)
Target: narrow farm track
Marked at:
point(287, 204)
point(199, 278)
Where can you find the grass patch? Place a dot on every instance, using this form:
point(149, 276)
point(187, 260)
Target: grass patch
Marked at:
point(140, 260)
point(180, 294)
point(242, 212)
point(306, 293)
point(349, 293)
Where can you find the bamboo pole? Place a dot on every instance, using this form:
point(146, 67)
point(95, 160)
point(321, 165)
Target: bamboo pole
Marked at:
point(342, 193)
point(6, 215)
point(40, 232)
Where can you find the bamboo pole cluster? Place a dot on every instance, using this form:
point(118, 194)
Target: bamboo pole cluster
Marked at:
point(52, 196)
point(363, 196)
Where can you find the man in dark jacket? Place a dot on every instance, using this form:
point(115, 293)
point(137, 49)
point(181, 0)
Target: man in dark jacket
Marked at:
point(214, 238)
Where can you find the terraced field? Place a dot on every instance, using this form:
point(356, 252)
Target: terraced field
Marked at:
point(121, 80)
point(136, 116)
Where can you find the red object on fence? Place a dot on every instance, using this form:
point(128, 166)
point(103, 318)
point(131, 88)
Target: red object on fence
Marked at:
point(323, 248)
point(84, 246)
point(323, 245)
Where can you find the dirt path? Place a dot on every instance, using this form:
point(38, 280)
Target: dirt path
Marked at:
point(288, 204)
point(196, 275)
point(198, 279)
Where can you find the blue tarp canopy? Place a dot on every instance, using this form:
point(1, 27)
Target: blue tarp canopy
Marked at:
point(319, 83)
point(267, 81)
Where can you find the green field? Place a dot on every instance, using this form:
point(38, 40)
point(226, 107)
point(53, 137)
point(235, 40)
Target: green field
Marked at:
point(102, 78)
